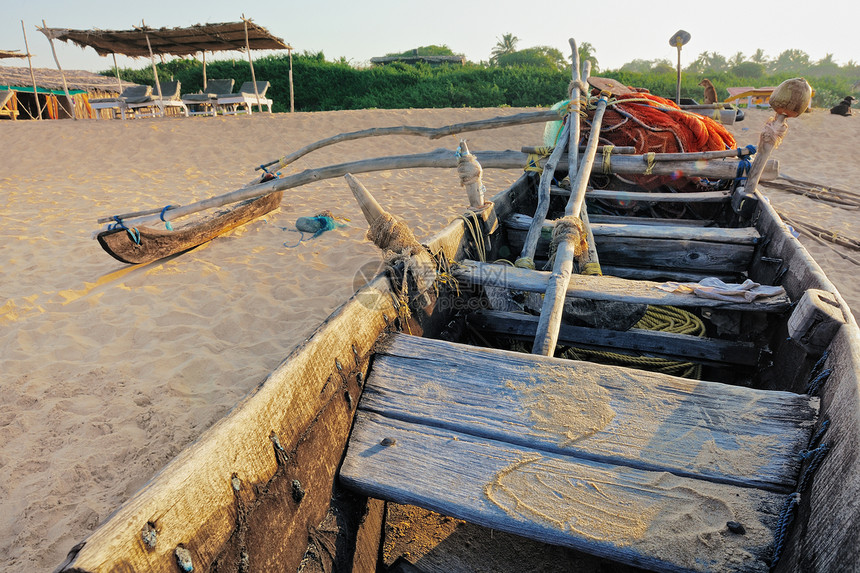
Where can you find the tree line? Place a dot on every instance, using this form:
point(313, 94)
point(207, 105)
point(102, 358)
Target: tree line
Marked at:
point(530, 77)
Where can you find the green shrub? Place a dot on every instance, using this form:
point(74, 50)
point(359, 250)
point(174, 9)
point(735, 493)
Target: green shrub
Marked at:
point(321, 85)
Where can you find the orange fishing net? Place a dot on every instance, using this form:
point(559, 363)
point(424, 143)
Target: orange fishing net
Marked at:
point(651, 123)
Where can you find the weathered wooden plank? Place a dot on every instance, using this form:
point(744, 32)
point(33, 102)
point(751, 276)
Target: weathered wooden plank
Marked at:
point(703, 257)
point(690, 249)
point(740, 236)
point(653, 520)
point(675, 254)
point(661, 344)
point(615, 219)
point(617, 415)
point(647, 197)
point(233, 490)
point(603, 288)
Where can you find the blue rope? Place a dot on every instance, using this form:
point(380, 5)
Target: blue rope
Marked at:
point(786, 516)
point(820, 433)
point(744, 163)
point(167, 224)
point(819, 381)
point(816, 458)
point(300, 239)
point(820, 364)
point(133, 232)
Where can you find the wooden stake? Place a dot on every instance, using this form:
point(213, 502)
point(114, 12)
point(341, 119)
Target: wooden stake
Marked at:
point(553, 305)
point(592, 259)
point(59, 67)
point(542, 208)
point(371, 209)
point(789, 99)
point(470, 172)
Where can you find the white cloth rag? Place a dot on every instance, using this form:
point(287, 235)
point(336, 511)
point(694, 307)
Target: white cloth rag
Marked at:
point(714, 288)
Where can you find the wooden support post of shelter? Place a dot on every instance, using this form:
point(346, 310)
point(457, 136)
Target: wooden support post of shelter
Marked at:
point(251, 63)
point(116, 71)
point(205, 80)
point(32, 75)
point(44, 30)
point(292, 98)
point(152, 61)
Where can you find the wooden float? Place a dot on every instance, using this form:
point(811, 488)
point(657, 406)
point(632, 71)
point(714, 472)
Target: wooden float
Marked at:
point(425, 393)
point(143, 244)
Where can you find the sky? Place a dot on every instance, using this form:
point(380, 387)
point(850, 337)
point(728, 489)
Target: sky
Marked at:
point(619, 30)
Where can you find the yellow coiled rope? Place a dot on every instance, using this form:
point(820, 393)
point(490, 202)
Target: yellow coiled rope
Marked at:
point(658, 318)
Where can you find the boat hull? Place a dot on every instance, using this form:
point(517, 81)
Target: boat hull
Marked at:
point(261, 483)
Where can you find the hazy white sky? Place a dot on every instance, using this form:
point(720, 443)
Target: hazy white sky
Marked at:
point(619, 30)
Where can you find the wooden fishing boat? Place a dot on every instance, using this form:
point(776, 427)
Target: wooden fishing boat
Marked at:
point(418, 390)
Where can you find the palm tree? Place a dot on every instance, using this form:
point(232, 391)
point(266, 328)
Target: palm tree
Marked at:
point(791, 61)
point(759, 57)
point(586, 52)
point(737, 59)
point(507, 44)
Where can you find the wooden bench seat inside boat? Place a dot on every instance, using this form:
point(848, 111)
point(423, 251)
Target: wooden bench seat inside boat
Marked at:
point(604, 288)
point(672, 346)
point(637, 467)
point(673, 248)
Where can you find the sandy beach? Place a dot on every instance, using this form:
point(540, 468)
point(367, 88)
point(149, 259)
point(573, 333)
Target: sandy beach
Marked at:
point(109, 370)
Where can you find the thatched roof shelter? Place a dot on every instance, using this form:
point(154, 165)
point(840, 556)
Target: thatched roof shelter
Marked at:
point(11, 54)
point(173, 41)
point(51, 79)
point(146, 41)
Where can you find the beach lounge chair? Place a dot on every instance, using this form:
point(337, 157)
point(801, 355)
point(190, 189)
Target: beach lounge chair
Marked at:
point(206, 102)
point(246, 97)
point(156, 105)
point(129, 95)
point(8, 104)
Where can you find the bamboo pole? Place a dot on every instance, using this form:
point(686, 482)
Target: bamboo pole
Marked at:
point(251, 63)
point(569, 137)
point(443, 159)
point(429, 132)
point(592, 260)
point(32, 75)
point(205, 80)
point(623, 149)
point(59, 67)
point(553, 303)
point(527, 255)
